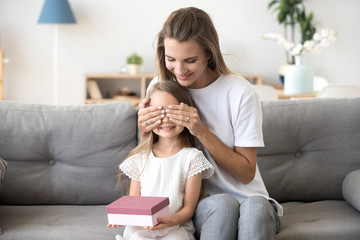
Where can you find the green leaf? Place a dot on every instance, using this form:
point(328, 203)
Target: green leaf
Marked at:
point(272, 3)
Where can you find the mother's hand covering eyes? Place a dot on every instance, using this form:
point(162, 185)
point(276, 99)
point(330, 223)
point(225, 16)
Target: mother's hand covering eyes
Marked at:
point(150, 117)
point(186, 116)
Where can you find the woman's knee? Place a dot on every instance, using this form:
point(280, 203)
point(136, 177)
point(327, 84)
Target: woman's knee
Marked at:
point(222, 203)
point(256, 206)
point(257, 215)
point(219, 208)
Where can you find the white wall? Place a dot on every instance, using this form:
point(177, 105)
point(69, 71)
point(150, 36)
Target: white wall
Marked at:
point(107, 31)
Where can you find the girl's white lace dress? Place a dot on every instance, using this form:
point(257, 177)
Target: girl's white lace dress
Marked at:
point(166, 177)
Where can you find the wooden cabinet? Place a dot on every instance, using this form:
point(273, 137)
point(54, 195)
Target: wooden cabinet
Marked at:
point(255, 79)
point(1, 73)
point(101, 88)
point(105, 87)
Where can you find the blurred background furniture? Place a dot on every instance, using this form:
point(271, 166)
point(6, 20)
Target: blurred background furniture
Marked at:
point(339, 91)
point(56, 12)
point(266, 92)
point(319, 83)
point(110, 83)
point(1, 73)
point(255, 79)
point(282, 95)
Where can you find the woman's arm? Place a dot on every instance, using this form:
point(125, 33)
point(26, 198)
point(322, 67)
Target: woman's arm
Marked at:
point(191, 198)
point(239, 162)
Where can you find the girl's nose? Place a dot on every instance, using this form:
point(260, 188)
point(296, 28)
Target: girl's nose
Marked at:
point(166, 118)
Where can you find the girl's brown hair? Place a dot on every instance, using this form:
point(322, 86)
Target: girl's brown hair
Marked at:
point(190, 24)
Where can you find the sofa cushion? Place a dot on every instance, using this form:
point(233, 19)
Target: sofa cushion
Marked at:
point(322, 220)
point(310, 146)
point(57, 222)
point(64, 154)
point(351, 189)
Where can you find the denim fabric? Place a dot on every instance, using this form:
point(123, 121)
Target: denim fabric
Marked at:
point(221, 216)
point(216, 218)
point(258, 219)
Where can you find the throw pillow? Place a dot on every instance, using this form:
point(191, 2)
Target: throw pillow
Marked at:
point(351, 189)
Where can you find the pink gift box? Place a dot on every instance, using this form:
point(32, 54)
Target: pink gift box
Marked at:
point(137, 211)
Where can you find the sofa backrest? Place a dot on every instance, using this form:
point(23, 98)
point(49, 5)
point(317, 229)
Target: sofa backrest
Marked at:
point(64, 154)
point(310, 146)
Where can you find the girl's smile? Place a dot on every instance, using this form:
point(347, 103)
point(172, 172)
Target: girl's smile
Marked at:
point(167, 128)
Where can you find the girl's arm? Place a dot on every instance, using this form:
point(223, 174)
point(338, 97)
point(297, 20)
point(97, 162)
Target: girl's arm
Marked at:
point(191, 198)
point(239, 162)
point(134, 189)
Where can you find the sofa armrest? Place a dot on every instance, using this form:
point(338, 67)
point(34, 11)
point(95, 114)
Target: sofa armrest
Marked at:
point(3, 168)
point(351, 189)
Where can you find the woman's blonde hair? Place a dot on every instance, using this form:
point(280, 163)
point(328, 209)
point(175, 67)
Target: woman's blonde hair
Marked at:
point(186, 139)
point(188, 24)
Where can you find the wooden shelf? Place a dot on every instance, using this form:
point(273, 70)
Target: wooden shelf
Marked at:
point(252, 78)
point(133, 100)
point(143, 79)
point(1, 73)
point(117, 78)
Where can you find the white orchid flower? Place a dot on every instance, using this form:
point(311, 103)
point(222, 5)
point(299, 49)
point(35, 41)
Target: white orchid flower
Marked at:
point(320, 40)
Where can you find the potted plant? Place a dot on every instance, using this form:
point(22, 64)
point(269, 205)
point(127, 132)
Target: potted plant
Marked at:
point(134, 61)
point(291, 13)
point(297, 78)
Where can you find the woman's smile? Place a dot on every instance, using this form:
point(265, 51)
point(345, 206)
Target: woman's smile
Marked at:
point(183, 77)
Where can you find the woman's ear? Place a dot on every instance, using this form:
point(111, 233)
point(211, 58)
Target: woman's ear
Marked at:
point(210, 57)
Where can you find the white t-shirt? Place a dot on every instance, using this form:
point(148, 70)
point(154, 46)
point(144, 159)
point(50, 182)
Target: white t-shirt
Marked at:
point(230, 108)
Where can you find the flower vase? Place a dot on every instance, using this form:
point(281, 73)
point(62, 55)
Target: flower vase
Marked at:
point(282, 72)
point(298, 78)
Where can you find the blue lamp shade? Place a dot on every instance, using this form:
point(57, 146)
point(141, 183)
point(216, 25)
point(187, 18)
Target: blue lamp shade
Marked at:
point(56, 11)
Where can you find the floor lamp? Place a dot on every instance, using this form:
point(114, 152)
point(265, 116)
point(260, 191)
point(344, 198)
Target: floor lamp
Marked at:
point(56, 12)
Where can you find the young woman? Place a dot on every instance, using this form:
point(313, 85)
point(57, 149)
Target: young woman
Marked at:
point(227, 121)
point(166, 163)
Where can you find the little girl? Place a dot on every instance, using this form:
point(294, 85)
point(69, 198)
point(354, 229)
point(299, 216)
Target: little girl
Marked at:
point(166, 164)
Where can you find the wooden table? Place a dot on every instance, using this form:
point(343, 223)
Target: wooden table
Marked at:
point(1, 73)
point(282, 95)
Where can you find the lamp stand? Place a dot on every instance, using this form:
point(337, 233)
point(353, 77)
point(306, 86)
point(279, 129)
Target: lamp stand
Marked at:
point(55, 65)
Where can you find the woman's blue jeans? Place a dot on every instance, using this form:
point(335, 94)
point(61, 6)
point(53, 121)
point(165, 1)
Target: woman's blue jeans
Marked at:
point(221, 216)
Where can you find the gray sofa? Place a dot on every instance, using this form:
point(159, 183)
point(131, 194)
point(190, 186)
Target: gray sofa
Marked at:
point(63, 163)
